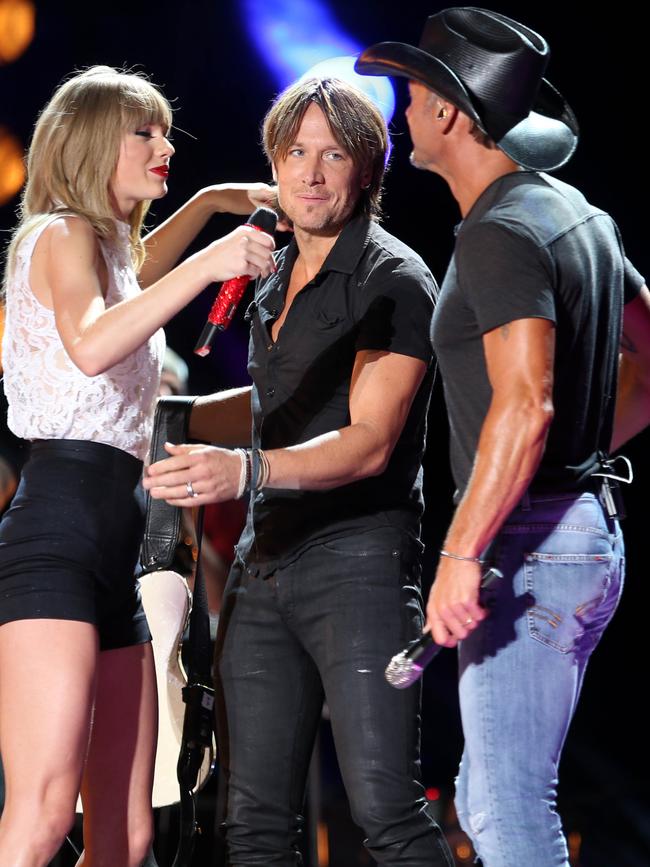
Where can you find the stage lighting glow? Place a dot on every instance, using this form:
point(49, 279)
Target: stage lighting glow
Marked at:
point(301, 38)
point(575, 842)
point(293, 35)
point(17, 18)
point(378, 89)
point(12, 166)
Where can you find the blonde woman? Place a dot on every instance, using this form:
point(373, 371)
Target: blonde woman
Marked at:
point(82, 354)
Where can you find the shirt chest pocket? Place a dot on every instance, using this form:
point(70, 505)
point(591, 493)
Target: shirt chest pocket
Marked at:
point(326, 334)
point(326, 320)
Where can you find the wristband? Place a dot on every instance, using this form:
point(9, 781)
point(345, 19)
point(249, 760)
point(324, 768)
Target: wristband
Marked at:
point(451, 556)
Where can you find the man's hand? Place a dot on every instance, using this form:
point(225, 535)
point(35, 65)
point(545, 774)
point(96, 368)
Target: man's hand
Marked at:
point(453, 609)
point(212, 473)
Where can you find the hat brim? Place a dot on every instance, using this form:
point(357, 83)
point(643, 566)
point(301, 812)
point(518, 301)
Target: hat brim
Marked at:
point(543, 141)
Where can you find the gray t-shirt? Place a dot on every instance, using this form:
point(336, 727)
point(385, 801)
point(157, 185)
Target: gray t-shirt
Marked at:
point(533, 247)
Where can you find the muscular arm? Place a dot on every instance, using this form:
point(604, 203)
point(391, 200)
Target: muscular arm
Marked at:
point(519, 360)
point(633, 397)
point(382, 389)
point(381, 393)
point(166, 244)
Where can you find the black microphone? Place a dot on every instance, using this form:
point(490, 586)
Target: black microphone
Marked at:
point(407, 666)
point(231, 292)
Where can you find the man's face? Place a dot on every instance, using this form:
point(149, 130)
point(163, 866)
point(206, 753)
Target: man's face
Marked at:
point(420, 116)
point(318, 183)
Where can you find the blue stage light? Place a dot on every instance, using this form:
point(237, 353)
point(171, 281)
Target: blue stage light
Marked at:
point(299, 37)
point(378, 89)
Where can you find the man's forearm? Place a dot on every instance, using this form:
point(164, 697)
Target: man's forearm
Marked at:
point(223, 418)
point(633, 396)
point(510, 449)
point(331, 460)
point(632, 403)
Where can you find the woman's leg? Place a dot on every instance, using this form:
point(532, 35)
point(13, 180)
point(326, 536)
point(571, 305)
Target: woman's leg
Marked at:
point(47, 681)
point(118, 777)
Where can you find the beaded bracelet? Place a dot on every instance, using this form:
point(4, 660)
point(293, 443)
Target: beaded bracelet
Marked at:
point(244, 473)
point(265, 471)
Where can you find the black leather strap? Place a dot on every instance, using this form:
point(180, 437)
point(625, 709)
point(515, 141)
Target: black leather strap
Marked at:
point(163, 522)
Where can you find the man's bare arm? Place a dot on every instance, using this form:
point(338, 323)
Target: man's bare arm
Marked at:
point(223, 418)
point(382, 391)
point(633, 397)
point(519, 360)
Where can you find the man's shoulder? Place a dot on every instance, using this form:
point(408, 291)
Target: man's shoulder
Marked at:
point(537, 207)
point(385, 252)
point(389, 245)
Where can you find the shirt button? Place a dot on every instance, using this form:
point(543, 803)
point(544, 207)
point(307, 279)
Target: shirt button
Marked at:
point(269, 347)
point(274, 312)
point(270, 391)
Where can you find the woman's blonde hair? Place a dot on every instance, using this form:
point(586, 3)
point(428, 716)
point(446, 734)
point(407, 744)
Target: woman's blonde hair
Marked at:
point(75, 148)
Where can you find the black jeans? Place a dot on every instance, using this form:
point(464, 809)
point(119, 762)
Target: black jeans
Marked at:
point(323, 626)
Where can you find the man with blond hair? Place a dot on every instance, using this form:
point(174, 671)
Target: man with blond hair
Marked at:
point(325, 588)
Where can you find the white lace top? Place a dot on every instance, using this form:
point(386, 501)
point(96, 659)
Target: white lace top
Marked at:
point(49, 397)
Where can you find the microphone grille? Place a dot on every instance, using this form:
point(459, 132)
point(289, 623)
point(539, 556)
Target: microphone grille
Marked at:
point(264, 219)
point(401, 672)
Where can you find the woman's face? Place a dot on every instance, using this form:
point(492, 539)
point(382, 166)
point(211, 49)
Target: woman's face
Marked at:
point(142, 167)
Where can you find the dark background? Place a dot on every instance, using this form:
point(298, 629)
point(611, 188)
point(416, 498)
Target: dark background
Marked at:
point(201, 55)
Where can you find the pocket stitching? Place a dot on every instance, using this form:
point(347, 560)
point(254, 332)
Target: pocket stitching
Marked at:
point(533, 630)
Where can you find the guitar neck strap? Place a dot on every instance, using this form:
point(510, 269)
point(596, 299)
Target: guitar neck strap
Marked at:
point(161, 536)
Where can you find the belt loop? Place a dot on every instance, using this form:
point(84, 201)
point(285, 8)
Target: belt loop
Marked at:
point(524, 503)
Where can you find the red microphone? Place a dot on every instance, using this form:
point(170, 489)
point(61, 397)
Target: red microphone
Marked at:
point(231, 292)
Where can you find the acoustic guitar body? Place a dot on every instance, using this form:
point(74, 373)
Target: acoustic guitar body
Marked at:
point(167, 602)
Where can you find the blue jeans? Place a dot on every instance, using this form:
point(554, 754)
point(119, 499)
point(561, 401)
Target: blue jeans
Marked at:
point(325, 625)
point(521, 672)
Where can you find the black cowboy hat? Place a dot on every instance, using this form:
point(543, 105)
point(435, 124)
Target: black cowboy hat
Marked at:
point(491, 68)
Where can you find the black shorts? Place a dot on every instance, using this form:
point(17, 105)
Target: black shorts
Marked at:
point(69, 543)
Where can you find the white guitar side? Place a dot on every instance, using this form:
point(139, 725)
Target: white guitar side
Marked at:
point(167, 601)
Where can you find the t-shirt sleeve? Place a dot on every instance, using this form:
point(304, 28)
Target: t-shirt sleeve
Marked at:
point(632, 279)
point(504, 276)
point(633, 282)
point(396, 308)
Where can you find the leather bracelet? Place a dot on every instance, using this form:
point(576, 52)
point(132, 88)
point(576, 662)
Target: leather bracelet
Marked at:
point(451, 556)
point(254, 457)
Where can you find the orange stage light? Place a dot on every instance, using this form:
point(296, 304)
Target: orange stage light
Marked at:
point(12, 166)
point(17, 19)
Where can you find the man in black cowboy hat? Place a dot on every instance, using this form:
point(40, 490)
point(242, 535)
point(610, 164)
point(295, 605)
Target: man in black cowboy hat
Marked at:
point(527, 332)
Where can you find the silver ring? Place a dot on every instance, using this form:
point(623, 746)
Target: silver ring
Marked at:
point(190, 490)
point(468, 621)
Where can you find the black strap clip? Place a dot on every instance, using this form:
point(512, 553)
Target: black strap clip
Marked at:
point(610, 493)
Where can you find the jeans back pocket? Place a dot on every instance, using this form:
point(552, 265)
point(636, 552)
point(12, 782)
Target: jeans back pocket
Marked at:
point(574, 597)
